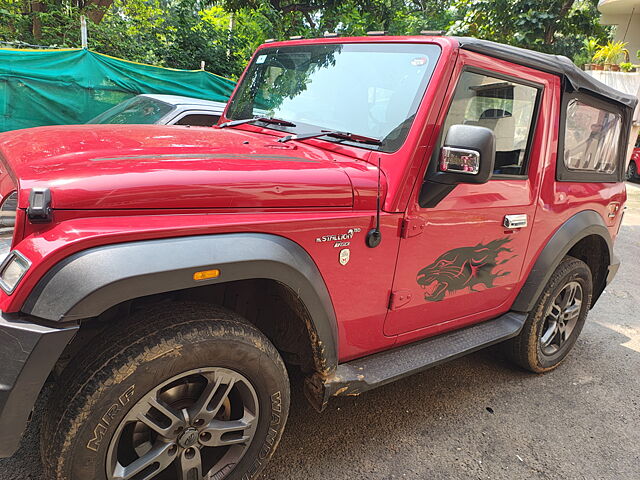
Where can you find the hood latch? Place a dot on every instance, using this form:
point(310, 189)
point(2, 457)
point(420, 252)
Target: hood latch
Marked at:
point(39, 210)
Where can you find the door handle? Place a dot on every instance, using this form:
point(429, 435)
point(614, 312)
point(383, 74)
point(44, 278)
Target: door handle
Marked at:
point(515, 221)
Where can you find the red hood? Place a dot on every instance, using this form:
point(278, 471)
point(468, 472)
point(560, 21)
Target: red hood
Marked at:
point(142, 166)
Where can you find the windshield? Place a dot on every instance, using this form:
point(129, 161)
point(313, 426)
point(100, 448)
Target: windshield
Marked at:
point(136, 110)
point(372, 90)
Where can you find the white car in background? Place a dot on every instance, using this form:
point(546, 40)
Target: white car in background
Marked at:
point(163, 110)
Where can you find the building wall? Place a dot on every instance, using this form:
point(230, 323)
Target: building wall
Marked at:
point(625, 14)
point(628, 30)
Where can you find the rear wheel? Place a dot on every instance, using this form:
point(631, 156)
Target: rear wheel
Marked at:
point(555, 323)
point(202, 394)
point(632, 171)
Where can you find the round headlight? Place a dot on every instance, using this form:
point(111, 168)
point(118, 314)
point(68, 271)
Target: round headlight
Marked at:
point(8, 209)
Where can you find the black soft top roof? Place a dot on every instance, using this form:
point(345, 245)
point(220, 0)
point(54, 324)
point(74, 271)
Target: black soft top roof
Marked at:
point(574, 79)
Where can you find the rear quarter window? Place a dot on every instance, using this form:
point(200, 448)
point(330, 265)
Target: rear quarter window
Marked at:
point(590, 140)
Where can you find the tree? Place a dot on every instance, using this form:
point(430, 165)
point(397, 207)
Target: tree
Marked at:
point(553, 26)
point(179, 34)
point(47, 21)
point(224, 33)
point(352, 17)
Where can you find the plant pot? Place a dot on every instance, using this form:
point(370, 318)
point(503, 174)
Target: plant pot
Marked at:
point(588, 66)
point(607, 67)
point(615, 68)
point(598, 66)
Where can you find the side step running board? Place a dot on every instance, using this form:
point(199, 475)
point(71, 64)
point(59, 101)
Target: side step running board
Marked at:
point(357, 376)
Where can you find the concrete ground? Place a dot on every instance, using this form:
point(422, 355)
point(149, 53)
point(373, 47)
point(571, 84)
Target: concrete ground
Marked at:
point(479, 417)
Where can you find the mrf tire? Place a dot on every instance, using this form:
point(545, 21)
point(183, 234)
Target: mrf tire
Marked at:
point(123, 364)
point(524, 350)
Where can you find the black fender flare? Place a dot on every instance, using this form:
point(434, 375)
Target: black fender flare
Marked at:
point(89, 282)
point(577, 227)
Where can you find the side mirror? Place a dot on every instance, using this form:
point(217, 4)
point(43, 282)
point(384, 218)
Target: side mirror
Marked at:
point(468, 156)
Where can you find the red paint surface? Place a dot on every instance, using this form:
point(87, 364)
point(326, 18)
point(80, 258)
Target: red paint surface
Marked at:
point(122, 183)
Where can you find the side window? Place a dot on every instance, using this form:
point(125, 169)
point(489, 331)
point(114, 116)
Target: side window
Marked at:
point(199, 120)
point(591, 138)
point(508, 108)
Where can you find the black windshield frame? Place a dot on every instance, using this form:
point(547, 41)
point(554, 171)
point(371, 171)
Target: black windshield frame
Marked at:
point(243, 102)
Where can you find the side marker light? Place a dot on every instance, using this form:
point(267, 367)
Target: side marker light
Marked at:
point(206, 275)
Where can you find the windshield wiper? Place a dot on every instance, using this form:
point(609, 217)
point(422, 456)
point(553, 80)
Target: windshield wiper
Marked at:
point(352, 137)
point(274, 121)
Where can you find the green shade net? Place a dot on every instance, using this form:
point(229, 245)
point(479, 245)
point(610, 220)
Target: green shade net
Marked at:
point(65, 87)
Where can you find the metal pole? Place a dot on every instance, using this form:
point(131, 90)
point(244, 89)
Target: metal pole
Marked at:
point(83, 32)
point(232, 26)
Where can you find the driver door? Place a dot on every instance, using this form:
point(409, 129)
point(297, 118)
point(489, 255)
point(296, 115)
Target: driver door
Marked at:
point(463, 266)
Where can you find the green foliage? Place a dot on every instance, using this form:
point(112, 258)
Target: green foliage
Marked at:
point(313, 17)
point(224, 33)
point(581, 59)
point(626, 67)
point(612, 52)
point(590, 47)
point(552, 26)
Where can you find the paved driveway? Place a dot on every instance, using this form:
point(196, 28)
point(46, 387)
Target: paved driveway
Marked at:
point(479, 417)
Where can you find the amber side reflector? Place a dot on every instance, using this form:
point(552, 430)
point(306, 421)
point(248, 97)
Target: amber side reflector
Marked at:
point(206, 274)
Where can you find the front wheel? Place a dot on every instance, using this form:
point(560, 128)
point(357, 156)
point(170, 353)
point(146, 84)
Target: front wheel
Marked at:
point(194, 395)
point(555, 323)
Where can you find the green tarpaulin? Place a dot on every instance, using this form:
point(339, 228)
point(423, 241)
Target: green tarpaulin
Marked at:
point(62, 87)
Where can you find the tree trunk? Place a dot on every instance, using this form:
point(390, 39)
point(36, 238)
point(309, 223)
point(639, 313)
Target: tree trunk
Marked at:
point(310, 21)
point(36, 23)
point(550, 31)
point(96, 9)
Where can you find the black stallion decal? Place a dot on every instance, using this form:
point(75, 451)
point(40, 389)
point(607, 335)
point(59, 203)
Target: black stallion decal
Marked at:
point(463, 267)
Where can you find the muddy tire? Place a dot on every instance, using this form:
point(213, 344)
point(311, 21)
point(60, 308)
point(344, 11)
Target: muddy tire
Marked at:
point(554, 324)
point(167, 396)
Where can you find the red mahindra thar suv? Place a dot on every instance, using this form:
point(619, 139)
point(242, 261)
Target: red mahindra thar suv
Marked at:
point(365, 209)
point(634, 161)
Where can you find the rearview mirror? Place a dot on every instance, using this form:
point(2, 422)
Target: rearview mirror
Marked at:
point(467, 156)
